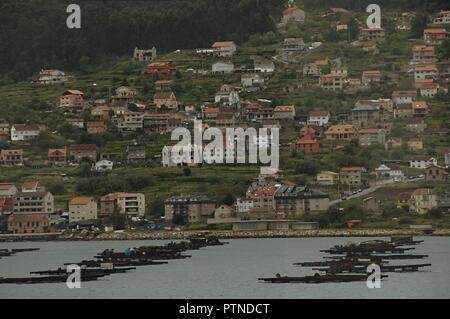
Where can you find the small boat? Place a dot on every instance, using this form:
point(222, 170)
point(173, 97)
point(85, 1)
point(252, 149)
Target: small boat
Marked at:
point(118, 263)
point(48, 279)
point(89, 271)
point(316, 278)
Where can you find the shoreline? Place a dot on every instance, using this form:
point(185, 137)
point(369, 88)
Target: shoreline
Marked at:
point(225, 234)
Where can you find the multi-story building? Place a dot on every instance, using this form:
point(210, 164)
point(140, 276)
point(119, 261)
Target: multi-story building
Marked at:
point(57, 155)
point(28, 223)
point(82, 208)
point(224, 48)
point(11, 157)
point(403, 97)
point(34, 202)
point(353, 176)
point(79, 152)
point(403, 111)
point(7, 189)
point(376, 35)
point(165, 99)
point(371, 136)
point(327, 178)
point(442, 17)
point(436, 173)
point(423, 200)
point(391, 172)
point(341, 132)
point(144, 55)
point(249, 80)
point(426, 71)
point(423, 54)
point(319, 118)
point(160, 68)
point(306, 144)
point(332, 82)
point(131, 204)
point(434, 35)
point(243, 205)
point(422, 162)
point(73, 99)
point(135, 154)
point(189, 209)
point(365, 115)
point(132, 121)
point(222, 68)
point(263, 197)
point(295, 201)
point(284, 112)
point(294, 14)
point(24, 132)
point(369, 77)
point(52, 77)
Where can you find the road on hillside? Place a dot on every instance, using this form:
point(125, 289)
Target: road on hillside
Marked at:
point(372, 189)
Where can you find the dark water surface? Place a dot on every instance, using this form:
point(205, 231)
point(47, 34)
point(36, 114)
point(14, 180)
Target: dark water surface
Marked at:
point(228, 271)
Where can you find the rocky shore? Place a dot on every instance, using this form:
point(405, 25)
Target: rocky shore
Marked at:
point(180, 235)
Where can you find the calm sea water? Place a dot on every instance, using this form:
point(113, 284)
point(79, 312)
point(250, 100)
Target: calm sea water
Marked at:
point(228, 271)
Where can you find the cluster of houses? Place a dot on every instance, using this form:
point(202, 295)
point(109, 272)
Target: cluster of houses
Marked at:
point(31, 208)
point(268, 198)
point(369, 122)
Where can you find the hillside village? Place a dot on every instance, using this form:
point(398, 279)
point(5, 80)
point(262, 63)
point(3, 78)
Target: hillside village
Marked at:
point(364, 127)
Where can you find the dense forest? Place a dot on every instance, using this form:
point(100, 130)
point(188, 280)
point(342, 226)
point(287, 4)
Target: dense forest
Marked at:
point(360, 5)
point(33, 33)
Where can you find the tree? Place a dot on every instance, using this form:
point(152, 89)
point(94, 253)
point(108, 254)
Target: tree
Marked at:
point(57, 188)
point(444, 50)
point(156, 207)
point(117, 219)
point(179, 219)
point(418, 24)
point(390, 210)
point(187, 171)
point(434, 213)
point(84, 169)
point(228, 199)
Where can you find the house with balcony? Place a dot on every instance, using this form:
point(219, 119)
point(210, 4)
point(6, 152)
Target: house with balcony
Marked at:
point(353, 176)
point(82, 208)
point(435, 36)
point(376, 35)
point(131, 204)
point(189, 209)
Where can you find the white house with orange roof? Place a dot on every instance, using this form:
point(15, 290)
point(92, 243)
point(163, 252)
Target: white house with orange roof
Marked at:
point(423, 54)
point(434, 35)
point(442, 17)
point(402, 97)
point(427, 71)
point(319, 118)
point(284, 112)
point(7, 189)
point(224, 48)
point(52, 76)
